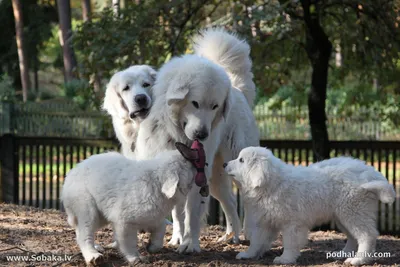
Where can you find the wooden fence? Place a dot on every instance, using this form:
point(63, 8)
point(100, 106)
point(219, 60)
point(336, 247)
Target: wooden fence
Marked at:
point(33, 168)
point(67, 120)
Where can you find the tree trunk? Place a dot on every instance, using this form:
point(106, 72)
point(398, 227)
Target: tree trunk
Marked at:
point(319, 50)
point(86, 10)
point(22, 55)
point(115, 7)
point(64, 16)
point(36, 73)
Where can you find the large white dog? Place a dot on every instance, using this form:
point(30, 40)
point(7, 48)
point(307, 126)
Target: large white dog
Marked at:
point(295, 199)
point(206, 96)
point(130, 194)
point(128, 100)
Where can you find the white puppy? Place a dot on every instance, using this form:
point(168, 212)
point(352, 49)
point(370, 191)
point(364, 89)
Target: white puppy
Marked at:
point(295, 199)
point(206, 96)
point(132, 195)
point(128, 100)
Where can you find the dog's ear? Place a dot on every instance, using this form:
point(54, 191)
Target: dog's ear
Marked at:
point(227, 104)
point(176, 93)
point(186, 151)
point(259, 173)
point(113, 103)
point(170, 186)
point(152, 73)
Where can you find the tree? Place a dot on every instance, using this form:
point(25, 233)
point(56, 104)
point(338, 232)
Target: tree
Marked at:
point(297, 36)
point(23, 58)
point(319, 50)
point(115, 7)
point(86, 10)
point(64, 16)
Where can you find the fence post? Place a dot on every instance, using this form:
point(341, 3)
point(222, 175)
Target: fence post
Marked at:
point(214, 212)
point(5, 117)
point(9, 169)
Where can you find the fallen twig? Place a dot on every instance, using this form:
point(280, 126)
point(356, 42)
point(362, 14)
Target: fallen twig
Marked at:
point(8, 249)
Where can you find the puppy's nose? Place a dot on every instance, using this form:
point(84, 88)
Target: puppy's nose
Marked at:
point(141, 100)
point(132, 115)
point(201, 135)
point(225, 164)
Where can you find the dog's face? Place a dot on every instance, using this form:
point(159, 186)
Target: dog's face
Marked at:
point(252, 168)
point(198, 95)
point(128, 93)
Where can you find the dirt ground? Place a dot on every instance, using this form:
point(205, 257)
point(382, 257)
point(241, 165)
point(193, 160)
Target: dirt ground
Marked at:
point(29, 231)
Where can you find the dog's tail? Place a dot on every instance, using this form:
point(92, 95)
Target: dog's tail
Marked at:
point(382, 189)
point(231, 53)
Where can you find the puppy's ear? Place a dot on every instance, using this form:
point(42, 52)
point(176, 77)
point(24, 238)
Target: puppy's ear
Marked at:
point(227, 105)
point(186, 151)
point(258, 174)
point(113, 103)
point(170, 186)
point(176, 93)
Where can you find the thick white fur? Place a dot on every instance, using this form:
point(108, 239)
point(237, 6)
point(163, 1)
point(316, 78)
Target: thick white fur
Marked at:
point(132, 195)
point(119, 103)
point(223, 113)
point(231, 53)
point(295, 199)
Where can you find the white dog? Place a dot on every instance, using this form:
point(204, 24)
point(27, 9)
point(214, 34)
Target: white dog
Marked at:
point(206, 96)
point(295, 199)
point(128, 101)
point(130, 194)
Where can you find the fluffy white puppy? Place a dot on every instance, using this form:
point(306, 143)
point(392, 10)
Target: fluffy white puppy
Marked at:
point(293, 199)
point(129, 194)
point(206, 96)
point(128, 100)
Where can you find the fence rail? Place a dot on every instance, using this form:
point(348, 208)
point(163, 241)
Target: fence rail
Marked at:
point(66, 120)
point(33, 168)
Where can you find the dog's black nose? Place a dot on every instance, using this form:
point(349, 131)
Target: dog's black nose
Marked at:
point(225, 164)
point(201, 135)
point(141, 100)
point(132, 115)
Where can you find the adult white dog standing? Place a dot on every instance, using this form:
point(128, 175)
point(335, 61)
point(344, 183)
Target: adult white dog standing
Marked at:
point(128, 100)
point(207, 96)
point(293, 199)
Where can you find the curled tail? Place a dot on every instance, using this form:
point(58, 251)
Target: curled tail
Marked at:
point(231, 53)
point(382, 189)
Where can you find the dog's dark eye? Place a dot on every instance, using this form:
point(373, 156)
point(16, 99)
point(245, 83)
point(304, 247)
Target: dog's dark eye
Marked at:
point(241, 160)
point(145, 85)
point(195, 104)
point(126, 88)
point(214, 107)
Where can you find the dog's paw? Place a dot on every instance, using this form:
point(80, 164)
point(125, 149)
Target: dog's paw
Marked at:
point(189, 247)
point(112, 245)
point(357, 261)
point(243, 255)
point(95, 259)
point(175, 240)
point(153, 248)
point(283, 261)
point(134, 260)
point(231, 238)
point(99, 248)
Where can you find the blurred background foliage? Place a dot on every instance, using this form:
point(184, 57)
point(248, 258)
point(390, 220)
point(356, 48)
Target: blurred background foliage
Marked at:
point(364, 68)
